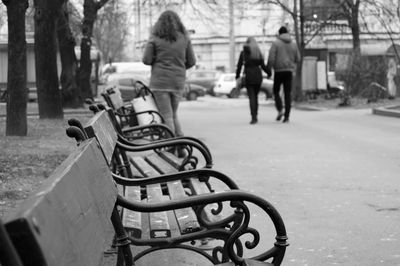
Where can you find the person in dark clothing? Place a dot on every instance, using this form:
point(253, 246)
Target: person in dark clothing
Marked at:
point(283, 57)
point(252, 60)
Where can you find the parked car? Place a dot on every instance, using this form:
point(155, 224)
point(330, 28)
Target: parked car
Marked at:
point(204, 78)
point(226, 85)
point(128, 86)
point(138, 68)
point(193, 91)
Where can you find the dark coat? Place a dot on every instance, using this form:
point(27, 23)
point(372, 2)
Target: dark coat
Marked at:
point(252, 69)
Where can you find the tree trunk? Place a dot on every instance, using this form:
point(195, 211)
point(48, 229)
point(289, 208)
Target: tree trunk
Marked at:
point(85, 64)
point(354, 86)
point(16, 124)
point(355, 28)
point(297, 86)
point(49, 94)
point(232, 52)
point(71, 94)
point(90, 8)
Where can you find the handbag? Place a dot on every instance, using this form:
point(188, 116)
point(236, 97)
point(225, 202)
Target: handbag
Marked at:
point(145, 107)
point(241, 81)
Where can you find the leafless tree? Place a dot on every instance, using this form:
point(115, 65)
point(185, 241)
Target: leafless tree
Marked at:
point(387, 14)
point(111, 31)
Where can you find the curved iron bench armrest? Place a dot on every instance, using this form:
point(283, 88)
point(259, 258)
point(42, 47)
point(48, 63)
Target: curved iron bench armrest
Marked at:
point(126, 141)
point(150, 126)
point(196, 173)
point(236, 199)
point(129, 146)
point(132, 113)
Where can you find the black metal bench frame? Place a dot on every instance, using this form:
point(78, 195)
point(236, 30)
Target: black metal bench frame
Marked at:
point(217, 229)
point(126, 117)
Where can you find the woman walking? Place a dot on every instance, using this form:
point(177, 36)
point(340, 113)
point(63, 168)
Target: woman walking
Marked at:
point(252, 60)
point(169, 52)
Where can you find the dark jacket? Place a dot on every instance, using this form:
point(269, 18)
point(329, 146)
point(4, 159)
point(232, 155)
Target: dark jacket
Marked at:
point(169, 61)
point(283, 55)
point(252, 68)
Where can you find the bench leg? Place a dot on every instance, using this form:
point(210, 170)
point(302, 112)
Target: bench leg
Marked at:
point(122, 241)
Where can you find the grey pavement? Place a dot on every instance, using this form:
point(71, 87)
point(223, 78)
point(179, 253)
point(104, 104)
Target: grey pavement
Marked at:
point(333, 175)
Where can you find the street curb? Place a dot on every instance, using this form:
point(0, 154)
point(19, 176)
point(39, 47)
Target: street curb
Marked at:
point(309, 108)
point(387, 111)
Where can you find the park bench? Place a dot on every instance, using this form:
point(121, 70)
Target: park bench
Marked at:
point(155, 180)
point(135, 141)
point(67, 220)
point(127, 116)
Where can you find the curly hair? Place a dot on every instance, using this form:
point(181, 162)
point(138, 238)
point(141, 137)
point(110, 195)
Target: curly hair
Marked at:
point(168, 26)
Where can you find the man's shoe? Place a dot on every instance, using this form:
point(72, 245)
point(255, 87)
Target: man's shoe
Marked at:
point(279, 117)
point(285, 120)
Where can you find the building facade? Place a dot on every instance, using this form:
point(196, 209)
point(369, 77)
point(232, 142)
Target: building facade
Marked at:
point(211, 38)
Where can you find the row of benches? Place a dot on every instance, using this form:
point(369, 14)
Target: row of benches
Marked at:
point(153, 199)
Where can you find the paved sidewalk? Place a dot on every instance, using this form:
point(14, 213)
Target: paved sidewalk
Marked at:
point(332, 174)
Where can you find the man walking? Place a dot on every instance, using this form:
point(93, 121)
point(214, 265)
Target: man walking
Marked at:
point(283, 57)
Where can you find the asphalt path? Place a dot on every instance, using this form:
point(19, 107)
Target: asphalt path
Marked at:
point(334, 175)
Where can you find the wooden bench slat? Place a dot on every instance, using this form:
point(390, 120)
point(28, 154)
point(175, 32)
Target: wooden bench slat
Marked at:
point(171, 159)
point(145, 224)
point(132, 220)
point(186, 217)
point(73, 205)
point(143, 167)
point(175, 230)
point(159, 225)
point(160, 164)
point(199, 187)
point(135, 171)
point(158, 221)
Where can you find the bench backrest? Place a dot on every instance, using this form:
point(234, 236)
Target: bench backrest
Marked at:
point(101, 128)
point(113, 98)
point(67, 221)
